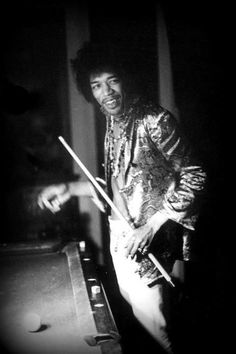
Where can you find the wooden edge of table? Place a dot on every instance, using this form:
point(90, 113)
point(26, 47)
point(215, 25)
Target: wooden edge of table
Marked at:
point(82, 267)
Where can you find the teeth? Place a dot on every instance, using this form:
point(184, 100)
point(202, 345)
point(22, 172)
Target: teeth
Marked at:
point(111, 102)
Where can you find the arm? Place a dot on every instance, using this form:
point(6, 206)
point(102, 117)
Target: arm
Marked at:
point(181, 201)
point(142, 237)
point(54, 196)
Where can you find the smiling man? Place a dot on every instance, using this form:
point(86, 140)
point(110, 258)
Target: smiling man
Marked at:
point(152, 177)
point(107, 90)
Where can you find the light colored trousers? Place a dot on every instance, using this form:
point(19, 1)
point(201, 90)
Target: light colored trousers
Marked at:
point(146, 302)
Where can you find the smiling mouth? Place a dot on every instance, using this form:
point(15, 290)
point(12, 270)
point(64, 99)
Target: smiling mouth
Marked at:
point(112, 103)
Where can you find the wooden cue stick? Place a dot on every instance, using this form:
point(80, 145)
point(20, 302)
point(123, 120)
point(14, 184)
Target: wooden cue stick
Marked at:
point(112, 205)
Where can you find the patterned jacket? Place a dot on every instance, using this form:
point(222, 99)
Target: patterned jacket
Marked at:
point(160, 174)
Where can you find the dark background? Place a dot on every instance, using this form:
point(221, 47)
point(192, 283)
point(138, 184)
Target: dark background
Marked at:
point(35, 111)
point(200, 43)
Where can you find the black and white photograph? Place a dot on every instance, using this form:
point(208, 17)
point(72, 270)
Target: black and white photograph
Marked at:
point(116, 177)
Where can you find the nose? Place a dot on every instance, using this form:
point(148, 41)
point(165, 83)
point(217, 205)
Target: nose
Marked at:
point(107, 89)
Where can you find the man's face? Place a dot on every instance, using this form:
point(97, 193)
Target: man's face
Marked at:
point(107, 90)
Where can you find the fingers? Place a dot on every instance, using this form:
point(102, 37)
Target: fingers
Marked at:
point(133, 245)
point(143, 250)
point(131, 248)
point(53, 197)
point(138, 241)
point(42, 202)
point(100, 180)
point(53, 205)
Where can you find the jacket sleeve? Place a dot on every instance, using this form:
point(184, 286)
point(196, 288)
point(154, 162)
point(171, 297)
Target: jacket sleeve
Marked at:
point(182, 199)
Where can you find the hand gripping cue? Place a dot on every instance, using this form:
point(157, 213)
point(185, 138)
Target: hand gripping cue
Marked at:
point(112, 205)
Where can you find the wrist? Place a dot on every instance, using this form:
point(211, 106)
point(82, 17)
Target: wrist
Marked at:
point(157, 220)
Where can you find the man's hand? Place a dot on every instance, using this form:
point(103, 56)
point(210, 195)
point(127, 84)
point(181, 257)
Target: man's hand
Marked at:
point(52, 197)
point(141, 238)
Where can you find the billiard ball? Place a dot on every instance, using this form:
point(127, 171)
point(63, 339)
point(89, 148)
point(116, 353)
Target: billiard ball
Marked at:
point(32, 322)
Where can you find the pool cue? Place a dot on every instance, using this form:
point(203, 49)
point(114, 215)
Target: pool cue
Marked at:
point(112, 205)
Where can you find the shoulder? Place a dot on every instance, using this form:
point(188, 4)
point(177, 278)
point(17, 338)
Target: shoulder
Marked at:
point(151, 112)
point(158, 123)
point(142, 107)
point(156, 117)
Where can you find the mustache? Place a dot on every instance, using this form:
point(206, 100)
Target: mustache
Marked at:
point(109, 98)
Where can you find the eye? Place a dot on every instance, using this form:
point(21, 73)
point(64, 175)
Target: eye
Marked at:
point(114, 81)
point(95, 87)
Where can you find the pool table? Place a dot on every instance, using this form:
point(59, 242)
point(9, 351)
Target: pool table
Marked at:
point(57, 281)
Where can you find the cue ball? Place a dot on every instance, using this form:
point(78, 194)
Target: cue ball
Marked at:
point(32, 322)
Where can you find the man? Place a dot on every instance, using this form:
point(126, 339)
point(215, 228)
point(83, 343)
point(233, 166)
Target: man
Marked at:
point(150, 175)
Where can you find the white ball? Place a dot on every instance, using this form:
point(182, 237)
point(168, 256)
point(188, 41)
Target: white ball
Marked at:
point(32, 322)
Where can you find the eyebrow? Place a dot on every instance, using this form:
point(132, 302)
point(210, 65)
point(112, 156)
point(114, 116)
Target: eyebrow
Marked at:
point(108, 78)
